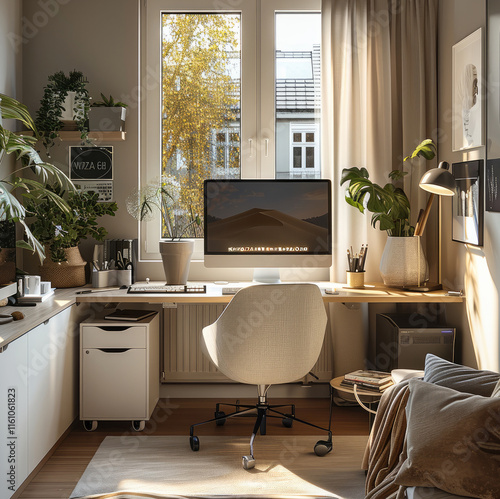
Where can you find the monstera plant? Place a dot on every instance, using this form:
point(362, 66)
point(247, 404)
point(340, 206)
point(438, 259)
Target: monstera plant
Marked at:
point(389, 204)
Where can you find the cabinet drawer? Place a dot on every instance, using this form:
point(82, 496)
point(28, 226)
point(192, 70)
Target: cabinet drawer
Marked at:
point(113, 336)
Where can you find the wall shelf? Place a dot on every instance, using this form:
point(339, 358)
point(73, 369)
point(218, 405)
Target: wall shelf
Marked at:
point(74, 136)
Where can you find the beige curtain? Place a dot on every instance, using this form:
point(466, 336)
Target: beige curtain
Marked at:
point(379, 101)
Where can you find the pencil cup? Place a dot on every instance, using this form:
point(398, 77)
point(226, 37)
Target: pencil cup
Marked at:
point(103, 278)
point(356, 280)
point(123, 277)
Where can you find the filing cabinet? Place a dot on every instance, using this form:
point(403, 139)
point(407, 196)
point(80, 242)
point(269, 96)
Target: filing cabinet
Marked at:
point(119, 371)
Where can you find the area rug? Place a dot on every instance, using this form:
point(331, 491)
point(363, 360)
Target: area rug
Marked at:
point(132, 467)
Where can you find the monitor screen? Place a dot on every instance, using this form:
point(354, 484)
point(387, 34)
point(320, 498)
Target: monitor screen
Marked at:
point(268, 223)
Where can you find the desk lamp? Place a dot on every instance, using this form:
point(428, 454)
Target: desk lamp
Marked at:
point(438, 181)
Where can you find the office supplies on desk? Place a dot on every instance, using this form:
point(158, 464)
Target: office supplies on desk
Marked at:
point(230, 290)
point(356, 261)
point(167, 288)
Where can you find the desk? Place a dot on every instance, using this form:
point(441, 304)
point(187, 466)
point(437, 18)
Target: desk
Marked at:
point(373, 293)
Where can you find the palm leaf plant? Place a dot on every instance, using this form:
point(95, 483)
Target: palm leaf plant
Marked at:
point(16, 186)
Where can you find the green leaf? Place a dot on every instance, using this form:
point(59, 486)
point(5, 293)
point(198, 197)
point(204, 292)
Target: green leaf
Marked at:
point(426, 149)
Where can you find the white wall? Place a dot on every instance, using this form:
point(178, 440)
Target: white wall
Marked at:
point(100, 39)
point(470, 268)
point(10, 60)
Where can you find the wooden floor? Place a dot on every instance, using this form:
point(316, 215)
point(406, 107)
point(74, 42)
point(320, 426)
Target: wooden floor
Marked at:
point(59, 475)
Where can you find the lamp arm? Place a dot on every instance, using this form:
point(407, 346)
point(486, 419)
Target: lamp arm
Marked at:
point(422, 219)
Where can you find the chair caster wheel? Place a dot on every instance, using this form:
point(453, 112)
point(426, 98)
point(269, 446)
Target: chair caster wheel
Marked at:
point(138, 425)
point(248, 462)
point(323, 447)
point(90, 425)
point(287, 422)
point(194, 442)
point(220, 414)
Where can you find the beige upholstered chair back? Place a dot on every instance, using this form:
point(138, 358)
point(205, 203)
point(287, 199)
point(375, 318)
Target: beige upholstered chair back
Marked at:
point(268, 334)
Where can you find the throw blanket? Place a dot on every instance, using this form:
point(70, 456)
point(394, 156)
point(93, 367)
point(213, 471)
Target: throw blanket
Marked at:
point(386, 449)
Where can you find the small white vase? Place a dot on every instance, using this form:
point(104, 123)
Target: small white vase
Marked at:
point(403, 262)
point(176, 257)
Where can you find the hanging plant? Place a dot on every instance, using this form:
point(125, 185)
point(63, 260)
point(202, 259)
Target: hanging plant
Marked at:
point(48, 118)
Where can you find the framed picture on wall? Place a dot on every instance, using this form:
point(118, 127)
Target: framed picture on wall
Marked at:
point(467, 92)
point(467, 203)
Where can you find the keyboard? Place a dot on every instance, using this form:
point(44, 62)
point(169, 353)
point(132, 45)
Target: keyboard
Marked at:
point(230, 290)
point(167, 288)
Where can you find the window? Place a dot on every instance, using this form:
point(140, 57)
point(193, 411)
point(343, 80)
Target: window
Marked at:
point(214, 106)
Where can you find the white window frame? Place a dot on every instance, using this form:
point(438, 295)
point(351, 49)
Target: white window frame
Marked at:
point(305, 128)
point(257, 149)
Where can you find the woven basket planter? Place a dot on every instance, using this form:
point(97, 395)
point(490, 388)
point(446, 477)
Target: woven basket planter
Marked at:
point(68, 274)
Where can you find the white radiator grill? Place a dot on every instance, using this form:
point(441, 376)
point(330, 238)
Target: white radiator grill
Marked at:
point(183, 357)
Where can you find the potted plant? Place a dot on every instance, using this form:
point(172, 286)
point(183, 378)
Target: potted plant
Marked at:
point(391, 210)
point(65, 104)
point(61, 232)
point(163, 197)
point(28, 181)
point(108, 115)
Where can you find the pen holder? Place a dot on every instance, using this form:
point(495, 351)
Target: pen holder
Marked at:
point(356, 280)
point(123, 277)
point(103, 278)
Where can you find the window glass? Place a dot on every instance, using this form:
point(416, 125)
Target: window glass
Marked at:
point(297, 93)
point(200, 102)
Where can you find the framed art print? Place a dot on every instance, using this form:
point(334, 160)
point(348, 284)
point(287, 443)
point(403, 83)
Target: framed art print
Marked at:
point(467, 92)
point(467, 203)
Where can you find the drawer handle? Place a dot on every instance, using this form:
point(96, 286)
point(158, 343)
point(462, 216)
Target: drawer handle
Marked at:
point(114, 350)
point(114, 328)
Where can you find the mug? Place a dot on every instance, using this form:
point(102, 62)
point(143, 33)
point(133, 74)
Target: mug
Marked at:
point(32, 285)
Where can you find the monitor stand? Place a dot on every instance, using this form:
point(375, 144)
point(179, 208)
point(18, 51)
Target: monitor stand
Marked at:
point(267, 276)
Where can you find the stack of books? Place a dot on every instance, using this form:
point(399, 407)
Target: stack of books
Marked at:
point(376, 381)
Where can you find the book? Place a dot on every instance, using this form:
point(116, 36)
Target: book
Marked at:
point(35, 298)
point(366, 386)
point(372, 377)
point(129, 315)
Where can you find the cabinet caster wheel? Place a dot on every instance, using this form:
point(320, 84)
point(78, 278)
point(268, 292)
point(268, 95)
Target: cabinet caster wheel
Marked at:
point(194, 442)
point(90, 425)
point(138, 425)
point(248, 462)
point(323, 447)
point(287, 421)
point(220, 414)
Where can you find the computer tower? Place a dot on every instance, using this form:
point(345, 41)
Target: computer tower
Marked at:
point(403, 341)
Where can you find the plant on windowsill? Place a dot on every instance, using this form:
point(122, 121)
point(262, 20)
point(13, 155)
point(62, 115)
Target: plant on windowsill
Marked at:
point(107, 115)
point(65, 104)
point(62, 232)
point(28, 181)
point(391, 210)
point(163, 196)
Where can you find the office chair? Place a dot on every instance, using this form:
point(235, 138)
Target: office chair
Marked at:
point(268, 334)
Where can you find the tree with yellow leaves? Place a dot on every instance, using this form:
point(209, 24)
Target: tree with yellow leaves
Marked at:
point(200, 97)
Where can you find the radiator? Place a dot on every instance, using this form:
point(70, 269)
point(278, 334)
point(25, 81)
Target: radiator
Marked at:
point(183, 359)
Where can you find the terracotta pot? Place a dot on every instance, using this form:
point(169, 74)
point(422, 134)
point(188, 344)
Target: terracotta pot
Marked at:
point(403, 262)
point(176, 257)
point(68, 274)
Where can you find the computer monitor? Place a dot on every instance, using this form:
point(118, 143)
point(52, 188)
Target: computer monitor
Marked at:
point(268, 224)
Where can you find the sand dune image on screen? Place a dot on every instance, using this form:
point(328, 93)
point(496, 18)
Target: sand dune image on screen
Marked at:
point(261, 227)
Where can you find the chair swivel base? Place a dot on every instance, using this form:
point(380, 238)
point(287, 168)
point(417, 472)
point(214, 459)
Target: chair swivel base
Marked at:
point(262, 411)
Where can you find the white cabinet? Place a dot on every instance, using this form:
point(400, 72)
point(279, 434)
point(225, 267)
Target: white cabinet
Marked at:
point(13, 416)
point(52, 382)
point(119, 370)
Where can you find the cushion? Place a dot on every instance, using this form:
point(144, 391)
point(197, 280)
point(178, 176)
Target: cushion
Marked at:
point(496, 391)
point(453, 441)
point(429, 493)
point(461, 378)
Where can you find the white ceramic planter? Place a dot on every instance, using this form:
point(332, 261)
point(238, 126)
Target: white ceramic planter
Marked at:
point(403, 262)
point(107, 119)
point(176, 257)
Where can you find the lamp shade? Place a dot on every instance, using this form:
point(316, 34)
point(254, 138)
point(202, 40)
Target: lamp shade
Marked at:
point(439, 180)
